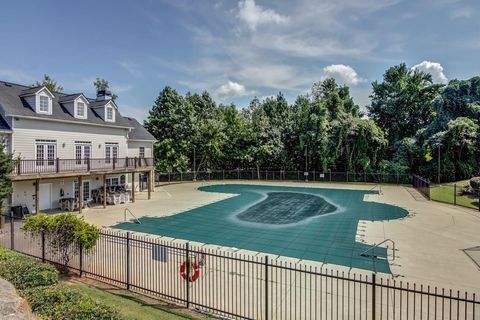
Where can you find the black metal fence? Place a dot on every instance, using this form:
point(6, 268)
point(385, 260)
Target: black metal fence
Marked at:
point(447, 193)
point(422, 185)
point(243, 286)
point(282, 175)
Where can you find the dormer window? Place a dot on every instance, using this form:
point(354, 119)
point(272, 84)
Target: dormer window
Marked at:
point(80, 110)
point(44, 104)
point(109, 115)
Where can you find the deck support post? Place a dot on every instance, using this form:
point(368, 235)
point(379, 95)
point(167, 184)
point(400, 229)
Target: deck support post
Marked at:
point(149, 184)
point(37, 195)
point(104, 191)
point(133, 187)
point(80, 194)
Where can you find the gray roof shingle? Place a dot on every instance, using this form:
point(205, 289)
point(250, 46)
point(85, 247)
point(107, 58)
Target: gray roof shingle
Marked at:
point(14, 105)
point(139, 132)
point(69, 97)
point(4, 125)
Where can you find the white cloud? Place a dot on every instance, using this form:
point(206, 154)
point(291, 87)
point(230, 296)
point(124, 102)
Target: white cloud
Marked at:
point(231, 89)
point(15, 76)
point(130, 68)
point(461, 12)
point(343, 74)
point(253, 15)
point(435, 69)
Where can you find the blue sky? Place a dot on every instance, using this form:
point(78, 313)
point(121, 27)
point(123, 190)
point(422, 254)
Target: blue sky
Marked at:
point(235, 49)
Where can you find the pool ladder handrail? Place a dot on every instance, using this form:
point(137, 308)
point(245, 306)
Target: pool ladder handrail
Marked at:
point(131, 213)
point(363, 253)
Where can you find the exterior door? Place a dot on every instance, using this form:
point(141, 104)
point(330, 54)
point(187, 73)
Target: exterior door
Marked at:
point(45, 194)
point(45, 154)
point(82, 153)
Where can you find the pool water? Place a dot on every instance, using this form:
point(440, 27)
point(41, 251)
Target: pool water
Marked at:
point(306, 223)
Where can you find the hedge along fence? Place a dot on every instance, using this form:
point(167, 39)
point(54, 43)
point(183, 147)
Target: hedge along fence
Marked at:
point(38, 283)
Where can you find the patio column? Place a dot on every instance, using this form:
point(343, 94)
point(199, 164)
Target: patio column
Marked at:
point(37, 196)
point(133, 186)
point(104, 191)
point(152, 179)
point(80, 194)
point(149, 184)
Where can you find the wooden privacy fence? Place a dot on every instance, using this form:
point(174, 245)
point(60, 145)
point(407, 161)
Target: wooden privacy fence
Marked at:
point(242, 286)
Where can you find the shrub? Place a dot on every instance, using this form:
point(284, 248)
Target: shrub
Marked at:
point(64, 233)
point(62, 302)
point(475, 183)
point(25, 272)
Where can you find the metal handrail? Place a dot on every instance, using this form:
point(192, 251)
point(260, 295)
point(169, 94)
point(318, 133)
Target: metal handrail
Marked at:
point(131, 213)
point(363, 253)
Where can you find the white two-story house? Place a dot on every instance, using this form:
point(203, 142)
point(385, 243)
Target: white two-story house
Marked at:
point(66, 145)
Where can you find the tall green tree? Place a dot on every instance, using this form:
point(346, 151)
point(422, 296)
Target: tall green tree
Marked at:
point(6, 167)
point(171, 121)
point(402, 103)
point(50, 83)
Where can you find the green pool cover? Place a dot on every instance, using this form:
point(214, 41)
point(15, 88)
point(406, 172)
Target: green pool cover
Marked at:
point(305, 223)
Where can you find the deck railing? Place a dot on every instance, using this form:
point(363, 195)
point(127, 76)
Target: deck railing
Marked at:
point(57, 165)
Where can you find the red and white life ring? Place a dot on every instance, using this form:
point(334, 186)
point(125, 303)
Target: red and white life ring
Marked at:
point(194, 271)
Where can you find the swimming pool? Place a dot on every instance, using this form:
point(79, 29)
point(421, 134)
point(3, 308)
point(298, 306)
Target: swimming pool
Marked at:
point(306, 223)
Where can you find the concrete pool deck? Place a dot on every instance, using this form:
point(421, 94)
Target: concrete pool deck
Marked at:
point(429, 241)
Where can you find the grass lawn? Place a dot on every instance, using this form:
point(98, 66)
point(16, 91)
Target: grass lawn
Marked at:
point(129, 307)
point(445, 193)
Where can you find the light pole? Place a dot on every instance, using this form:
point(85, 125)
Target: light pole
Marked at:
point(438, 178)
point(306, 163)
point(194, 165)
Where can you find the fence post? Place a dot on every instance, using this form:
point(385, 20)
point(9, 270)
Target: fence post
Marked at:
point(223, 174)
point(330, 174)
point(128, 261)
point(313, 175)
point(43, 246)
point(398, 178)
point(455, 194)
point(238, 173)
point(81, 260)
point(187, 278)
point(266, 287)
point(298, 175)
point(347, 176)
point(374, 282)
point(57, 162)
point(12, 231)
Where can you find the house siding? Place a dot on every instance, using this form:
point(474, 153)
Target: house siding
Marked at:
point(134, 148)
point(28, 130)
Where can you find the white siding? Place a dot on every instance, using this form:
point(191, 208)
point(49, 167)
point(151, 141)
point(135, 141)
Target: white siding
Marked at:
point(134, 147)
point(28, 130)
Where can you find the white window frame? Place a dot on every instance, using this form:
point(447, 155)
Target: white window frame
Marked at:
point(107, 109)
point(49, 104)
point(112, 150)
point(46, 161)
point(141, 152)
point(86, 197)
point(80, 105)
point(82, 147)
point(108, 181)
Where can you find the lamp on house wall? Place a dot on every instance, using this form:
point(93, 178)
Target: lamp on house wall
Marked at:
point(63, 145)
